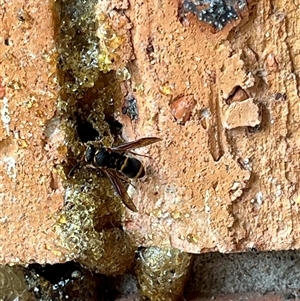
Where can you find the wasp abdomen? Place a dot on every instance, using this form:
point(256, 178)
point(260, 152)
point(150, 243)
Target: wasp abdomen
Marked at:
point(132, 168)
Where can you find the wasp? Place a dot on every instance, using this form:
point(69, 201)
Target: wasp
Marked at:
point(116, 165)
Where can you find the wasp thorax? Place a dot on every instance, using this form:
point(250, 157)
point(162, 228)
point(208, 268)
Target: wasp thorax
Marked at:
point(90, 153)
point(102, 157)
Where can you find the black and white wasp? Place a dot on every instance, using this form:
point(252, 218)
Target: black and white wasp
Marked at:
point(117, 165)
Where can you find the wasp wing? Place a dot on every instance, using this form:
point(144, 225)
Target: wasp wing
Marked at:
point(118, 185)
point(135, 144)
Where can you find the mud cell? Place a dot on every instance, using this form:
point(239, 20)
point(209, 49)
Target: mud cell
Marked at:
point(217, 13)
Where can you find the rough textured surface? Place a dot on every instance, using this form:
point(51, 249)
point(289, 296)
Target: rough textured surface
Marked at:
point(245, 296)
point(241, 114)
point(260, 272)
point(37, 134)
point(12, 284)
point(245, 276)
point(29, 192)
point(162, 273)
point(210, 185)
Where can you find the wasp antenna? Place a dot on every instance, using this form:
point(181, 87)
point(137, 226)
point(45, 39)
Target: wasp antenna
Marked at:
point(73, 169)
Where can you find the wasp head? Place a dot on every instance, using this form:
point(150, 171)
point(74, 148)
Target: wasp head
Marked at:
point(90, 153)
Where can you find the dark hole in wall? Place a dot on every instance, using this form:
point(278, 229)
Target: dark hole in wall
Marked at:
point(85, 130)
point(56, 272)
point(71, 281)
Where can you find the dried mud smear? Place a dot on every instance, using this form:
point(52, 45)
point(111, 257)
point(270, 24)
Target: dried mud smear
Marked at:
point(89, 223)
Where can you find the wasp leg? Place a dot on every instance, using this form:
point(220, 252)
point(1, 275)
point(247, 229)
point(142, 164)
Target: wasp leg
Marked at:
point(136, 154)
point(125, 179)
point(71, 172)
